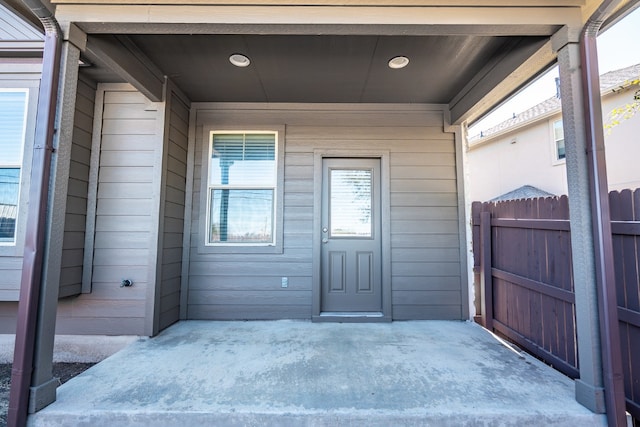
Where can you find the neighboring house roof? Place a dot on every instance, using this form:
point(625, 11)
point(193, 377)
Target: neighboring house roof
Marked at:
point(524, 192)
point(609, 82)
point(619, 79)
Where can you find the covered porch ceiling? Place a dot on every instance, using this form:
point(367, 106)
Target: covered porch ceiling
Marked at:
point(324, 68)
point(334, 68)
point(467, 55)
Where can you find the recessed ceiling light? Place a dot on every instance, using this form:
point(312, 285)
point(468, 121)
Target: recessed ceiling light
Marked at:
point(239, 60)
point(398, 62)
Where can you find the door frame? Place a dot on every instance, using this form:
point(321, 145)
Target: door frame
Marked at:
point(385, 217)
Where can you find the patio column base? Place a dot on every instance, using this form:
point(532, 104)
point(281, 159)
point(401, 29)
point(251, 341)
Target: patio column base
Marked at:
point(590, 397)
point(43, 395)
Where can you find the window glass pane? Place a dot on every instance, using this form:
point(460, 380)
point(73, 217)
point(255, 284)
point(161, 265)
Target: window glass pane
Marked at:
point(558, 136)
point(12, 117)
point(560, 146)
point(243, 160)
point(350, 203)
point(241, 216)
point(558, 132)
point(9, 185)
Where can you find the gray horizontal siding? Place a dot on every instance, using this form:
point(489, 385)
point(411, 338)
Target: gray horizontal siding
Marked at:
point(435, 311)
point(8, 316)
point(10, 284)
point(250, 297)
point(22, 74)
point(426, 273)
point(96, 325)
point(123, 238)
point(175, 178)
point(239, 280)
point(249, 312)
point(13, 28)
point(76, 211)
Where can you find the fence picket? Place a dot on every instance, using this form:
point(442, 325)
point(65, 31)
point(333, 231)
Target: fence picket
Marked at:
point(485, 269)
point(633, 292)
point(628, 255)
point(530, 251)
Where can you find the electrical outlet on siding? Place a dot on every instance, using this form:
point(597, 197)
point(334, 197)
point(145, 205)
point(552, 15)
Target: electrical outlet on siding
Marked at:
point(285, 282)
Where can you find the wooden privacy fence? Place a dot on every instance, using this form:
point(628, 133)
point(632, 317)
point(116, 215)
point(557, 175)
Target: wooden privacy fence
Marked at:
point(524, 284)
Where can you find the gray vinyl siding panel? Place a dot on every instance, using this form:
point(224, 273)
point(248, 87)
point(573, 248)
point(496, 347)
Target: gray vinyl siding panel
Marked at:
point(8, 317)
point(76, 210)
point(10, 281)
point(124, 241)
point(21, 73)
point(173, 211)
point(424, 240)
point(12, 28)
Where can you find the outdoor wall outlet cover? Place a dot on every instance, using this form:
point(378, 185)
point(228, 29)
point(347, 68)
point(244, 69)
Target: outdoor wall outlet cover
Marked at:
point(285, 282)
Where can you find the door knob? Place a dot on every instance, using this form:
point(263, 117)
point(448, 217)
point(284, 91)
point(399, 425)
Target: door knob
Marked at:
point(325, 240)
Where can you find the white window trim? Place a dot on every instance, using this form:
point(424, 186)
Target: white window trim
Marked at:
point(554, 145)
point(18, 235)
point(276, 247)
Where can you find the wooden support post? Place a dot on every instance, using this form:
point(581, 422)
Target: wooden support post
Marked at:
point(486, 278)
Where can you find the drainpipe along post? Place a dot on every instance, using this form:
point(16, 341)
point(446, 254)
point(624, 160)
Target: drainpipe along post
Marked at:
point(30, 285)
point(603, 246)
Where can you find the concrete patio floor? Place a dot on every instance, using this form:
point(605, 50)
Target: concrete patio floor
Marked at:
point(296, 373)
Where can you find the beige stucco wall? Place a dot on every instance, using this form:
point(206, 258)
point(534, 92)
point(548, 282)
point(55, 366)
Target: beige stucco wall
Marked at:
point(622, 145)
point(525, 157)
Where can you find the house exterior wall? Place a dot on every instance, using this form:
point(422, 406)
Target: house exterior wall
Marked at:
point(173, 209)
point(76, 212)
point(19, 35)
point(499, 165)
point(128, 138)
point(19, 75)
point(522, 157)
point(24, 74)
point(124, 215)
point(20, 69)
point(622, 146)
point(426, 276)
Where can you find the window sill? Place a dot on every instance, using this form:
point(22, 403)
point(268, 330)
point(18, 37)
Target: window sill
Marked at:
point(228, 249)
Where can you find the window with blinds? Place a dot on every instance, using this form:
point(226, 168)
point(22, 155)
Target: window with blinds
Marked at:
point(242, 188)
point(13, 110)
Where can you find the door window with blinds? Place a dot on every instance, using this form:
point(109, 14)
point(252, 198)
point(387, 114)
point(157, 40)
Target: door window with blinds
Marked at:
point(350, 203)
point(13, 107)
point(242, 189)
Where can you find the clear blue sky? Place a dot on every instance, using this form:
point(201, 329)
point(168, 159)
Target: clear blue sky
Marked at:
point(617, 48)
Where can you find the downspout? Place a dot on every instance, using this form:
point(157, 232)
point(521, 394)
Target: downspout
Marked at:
point(601, 217)
point(34, 245)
